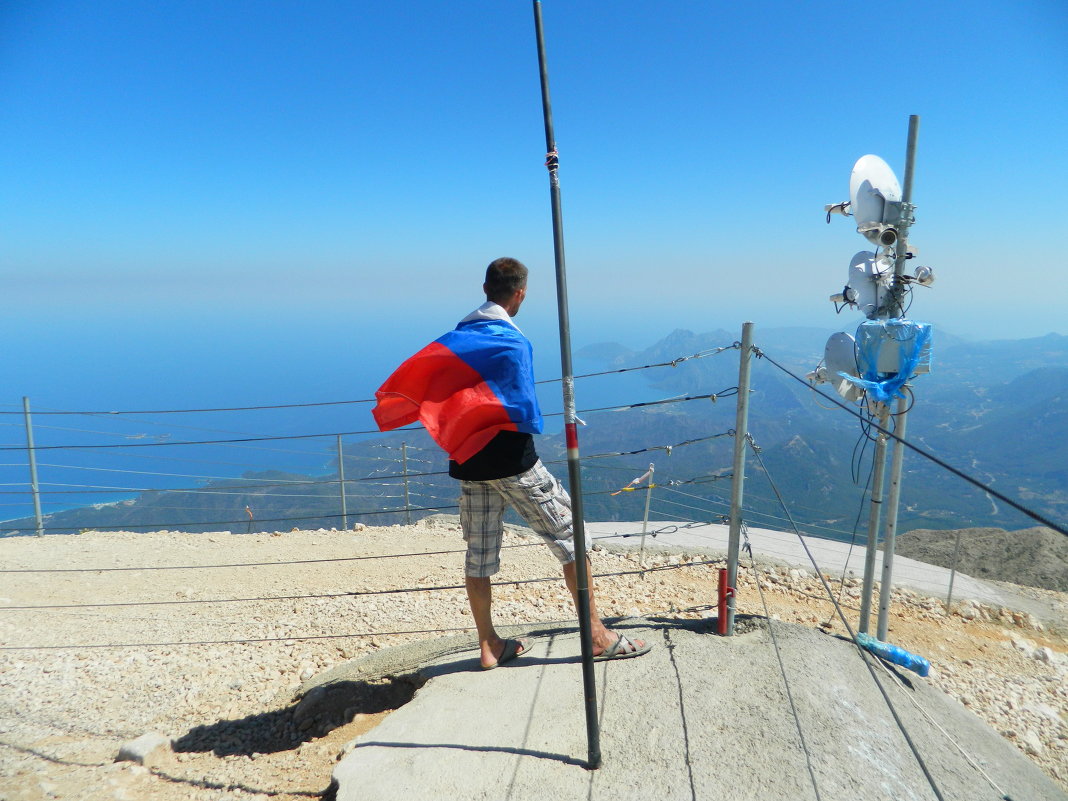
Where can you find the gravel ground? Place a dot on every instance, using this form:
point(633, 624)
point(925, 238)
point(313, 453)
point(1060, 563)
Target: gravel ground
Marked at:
point(220, 679)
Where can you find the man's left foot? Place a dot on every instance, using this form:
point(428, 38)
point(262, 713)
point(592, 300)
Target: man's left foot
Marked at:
point(623, 648)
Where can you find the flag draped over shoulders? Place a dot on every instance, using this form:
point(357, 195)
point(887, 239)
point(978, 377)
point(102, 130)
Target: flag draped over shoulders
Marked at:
point(464, 388)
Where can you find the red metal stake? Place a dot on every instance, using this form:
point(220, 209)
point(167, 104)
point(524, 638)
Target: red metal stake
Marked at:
point(725, 592)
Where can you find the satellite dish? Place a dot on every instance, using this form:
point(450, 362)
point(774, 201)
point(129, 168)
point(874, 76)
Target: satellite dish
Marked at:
point(872, 188)
point(868, 280)
point(839, 356)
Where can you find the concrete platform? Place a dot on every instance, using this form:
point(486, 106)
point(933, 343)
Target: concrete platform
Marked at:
point(699, 717)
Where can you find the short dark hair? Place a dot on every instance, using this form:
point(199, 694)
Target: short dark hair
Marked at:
point(504, 277)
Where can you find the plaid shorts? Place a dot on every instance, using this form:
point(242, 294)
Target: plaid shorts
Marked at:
point(540, 500)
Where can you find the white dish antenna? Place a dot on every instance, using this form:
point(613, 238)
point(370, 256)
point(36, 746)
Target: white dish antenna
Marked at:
point(874, 200)
point(840, 356)
point(868, 282)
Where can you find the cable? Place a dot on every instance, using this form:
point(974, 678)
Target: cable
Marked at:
point(726, 393)
point(229, 642)
point(543, 580)
point(853, 539)
point(241, 522)
point(198, 411)
point(931, 457)
point(852, 634)
point(226, 490)
point(198, 442)
point(672, 363)
point(1005, 796)
point(782, 671)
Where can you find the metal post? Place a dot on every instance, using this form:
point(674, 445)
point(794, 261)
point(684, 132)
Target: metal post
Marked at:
point(341, 483)
point(645, 520)
point(953, 575)
point(890, 540)
point(404, 465)
point(741, 432)
point(33, 468)
point(874, 521)
point(593, 734)
point(896, 307)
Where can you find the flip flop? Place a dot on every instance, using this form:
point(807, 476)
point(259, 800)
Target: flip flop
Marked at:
point(622, 649)
point(512, 649)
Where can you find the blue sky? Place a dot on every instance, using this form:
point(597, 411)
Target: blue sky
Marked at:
point(244, 170)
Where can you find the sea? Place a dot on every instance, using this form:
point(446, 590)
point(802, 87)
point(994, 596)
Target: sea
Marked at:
point(111, 398)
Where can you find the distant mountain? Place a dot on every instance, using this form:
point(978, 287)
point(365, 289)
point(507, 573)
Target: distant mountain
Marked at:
point(1037, 557)
point(996, 410)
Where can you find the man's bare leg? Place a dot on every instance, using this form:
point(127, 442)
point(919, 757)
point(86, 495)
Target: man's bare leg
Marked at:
point(603, 638)
point(480, 598)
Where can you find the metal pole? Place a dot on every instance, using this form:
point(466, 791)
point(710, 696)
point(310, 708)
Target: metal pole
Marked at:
point(341, 483)
point(593, 734)
point(952, 575)
point(741, 432)
point(645, 520)
point(404, 464)
point(33, 468)
point(874, 521)
point(896, 307)
point(890, 540)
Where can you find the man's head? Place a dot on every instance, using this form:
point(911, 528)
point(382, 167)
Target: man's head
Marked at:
point(506, 284)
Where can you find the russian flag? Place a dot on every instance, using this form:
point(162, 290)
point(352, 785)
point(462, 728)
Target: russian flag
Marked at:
point(464, 387)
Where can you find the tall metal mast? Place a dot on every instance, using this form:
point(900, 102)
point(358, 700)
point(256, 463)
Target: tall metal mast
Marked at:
point(552, 162)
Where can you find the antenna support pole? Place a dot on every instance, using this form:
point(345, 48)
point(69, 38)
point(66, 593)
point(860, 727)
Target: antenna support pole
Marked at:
point(741, 434)
point(890, 540)
point(593, 732)
point(874, 520)
point(896, 306)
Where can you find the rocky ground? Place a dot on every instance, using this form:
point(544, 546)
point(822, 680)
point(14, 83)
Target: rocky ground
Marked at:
point(1036, 557)
point(210, 651)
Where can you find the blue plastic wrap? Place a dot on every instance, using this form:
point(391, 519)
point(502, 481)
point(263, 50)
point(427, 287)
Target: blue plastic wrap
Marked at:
point(895, 654)
point(889, 353)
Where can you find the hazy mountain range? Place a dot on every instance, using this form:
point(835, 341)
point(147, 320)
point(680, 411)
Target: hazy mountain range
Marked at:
point(996, 410)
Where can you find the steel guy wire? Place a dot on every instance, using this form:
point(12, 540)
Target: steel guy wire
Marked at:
point(230, 566)
point(248, 641)
point(926, 454)
point(255, 492)
point(683, 505)
point(105, 413)
point(782, 671)
point(172, 475)
point(845, 622)
point(1005, 796)
point(321, 482)
point(358, 593)
point(244, 520)
point(853, 539)
point(290, 437)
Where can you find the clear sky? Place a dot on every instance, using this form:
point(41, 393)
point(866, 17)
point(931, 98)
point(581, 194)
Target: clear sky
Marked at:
point(354, 165)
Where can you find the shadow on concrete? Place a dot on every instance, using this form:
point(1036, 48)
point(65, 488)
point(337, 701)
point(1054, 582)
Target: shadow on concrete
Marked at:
point(319, 712)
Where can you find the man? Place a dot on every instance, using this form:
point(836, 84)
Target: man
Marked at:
point(473, 390)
